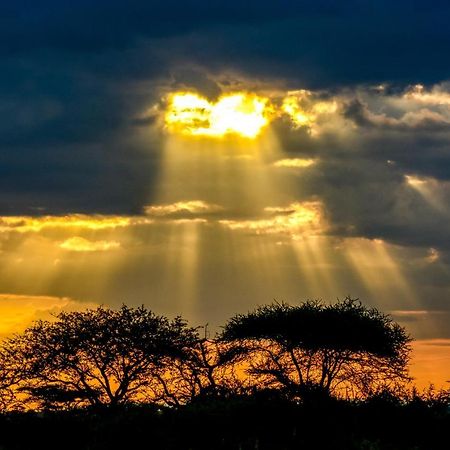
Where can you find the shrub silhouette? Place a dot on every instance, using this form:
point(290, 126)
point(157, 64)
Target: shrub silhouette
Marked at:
point(344, 348)
point(96, 357)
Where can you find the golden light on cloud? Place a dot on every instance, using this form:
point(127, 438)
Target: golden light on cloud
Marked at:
point(79, 244)
point(26, 224)
point(294, 163)
point(298, 115)
point(241, 114)
point(433, 255)
point(295, 220)
point(190, 206)
point(435, 96)
point(304, 111)
point(414, 181)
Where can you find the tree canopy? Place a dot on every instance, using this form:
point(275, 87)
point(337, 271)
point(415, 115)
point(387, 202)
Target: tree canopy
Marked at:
point(343, 345)
point(99, 356)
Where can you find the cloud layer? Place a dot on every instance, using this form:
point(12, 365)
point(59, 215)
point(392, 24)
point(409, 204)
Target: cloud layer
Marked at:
point(347, 184)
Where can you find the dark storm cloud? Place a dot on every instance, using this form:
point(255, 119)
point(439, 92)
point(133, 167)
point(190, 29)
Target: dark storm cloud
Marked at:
point(89, 25)
point(329, 41)
point(423, 120)
point(366, 198)
point(383, 169)
point(76, 78)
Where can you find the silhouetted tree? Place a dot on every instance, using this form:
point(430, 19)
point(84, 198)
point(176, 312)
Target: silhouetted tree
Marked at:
point(8, 382)
point(344, 348)
point(209, 371)
point(98, 356)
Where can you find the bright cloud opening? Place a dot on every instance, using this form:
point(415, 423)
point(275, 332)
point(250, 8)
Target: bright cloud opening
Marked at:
point(241, 114)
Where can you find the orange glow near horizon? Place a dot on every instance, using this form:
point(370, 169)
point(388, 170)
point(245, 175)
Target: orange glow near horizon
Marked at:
point(19, 311)
point(430, 362)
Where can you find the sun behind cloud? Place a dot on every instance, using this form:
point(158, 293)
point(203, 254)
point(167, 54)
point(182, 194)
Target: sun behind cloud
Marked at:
point(242, 114)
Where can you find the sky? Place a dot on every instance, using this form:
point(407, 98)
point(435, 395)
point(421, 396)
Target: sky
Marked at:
point(202, 158)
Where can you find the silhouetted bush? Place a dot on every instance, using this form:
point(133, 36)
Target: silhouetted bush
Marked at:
point(96, 357)
point(343, 349)
point(264, 420)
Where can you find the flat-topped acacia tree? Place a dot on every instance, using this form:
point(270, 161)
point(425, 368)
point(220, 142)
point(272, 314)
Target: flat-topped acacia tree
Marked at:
point(96, 357)
point(344, 349)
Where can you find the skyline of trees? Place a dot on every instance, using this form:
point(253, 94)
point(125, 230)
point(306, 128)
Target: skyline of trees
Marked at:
point(101, 357)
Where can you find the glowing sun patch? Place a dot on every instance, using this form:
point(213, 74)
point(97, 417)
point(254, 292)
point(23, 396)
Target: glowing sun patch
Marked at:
point(242, 114)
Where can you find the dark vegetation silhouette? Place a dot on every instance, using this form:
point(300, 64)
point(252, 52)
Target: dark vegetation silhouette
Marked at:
point(95, 357)
point(314, 375)
point(322, 348)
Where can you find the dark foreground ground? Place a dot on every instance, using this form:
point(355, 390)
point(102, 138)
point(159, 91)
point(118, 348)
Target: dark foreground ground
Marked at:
point(243, 423)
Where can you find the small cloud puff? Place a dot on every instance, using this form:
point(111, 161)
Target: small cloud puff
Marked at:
point(190, 207)
point(79, 244)
point(294, 163)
